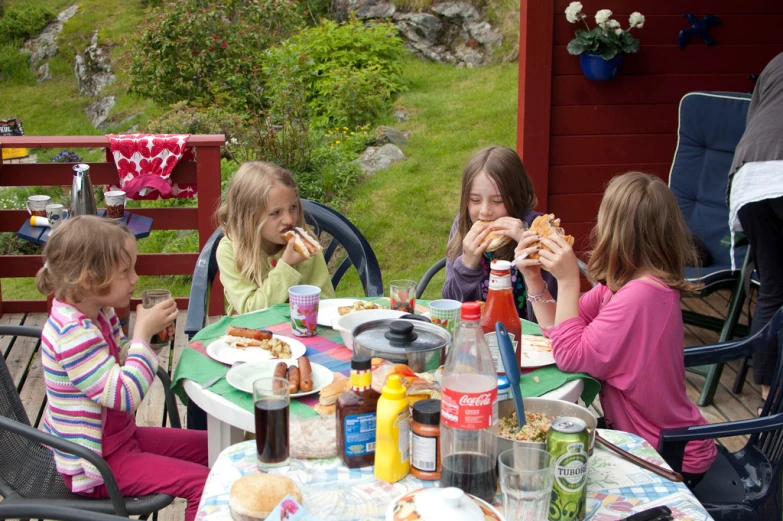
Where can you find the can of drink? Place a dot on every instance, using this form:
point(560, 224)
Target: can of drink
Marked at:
point(567, 442)
point(504, 389)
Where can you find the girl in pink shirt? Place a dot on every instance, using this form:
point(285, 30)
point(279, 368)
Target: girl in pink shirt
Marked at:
point(627, 331)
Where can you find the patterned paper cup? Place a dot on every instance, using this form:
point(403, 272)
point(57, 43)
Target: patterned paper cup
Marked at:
point(445, 313)
point(304, 309)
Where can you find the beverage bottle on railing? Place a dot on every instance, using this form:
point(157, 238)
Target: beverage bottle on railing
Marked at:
point(469, 410)
point(500, 307)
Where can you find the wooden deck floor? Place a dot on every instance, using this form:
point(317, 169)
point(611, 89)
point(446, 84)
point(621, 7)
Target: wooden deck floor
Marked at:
point(22, 357)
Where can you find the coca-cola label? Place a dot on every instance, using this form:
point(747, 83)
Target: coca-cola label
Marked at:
point(470, 411)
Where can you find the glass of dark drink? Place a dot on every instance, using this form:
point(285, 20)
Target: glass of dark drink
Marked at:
point(150, 297)
point(271, 401)
point(402, 295)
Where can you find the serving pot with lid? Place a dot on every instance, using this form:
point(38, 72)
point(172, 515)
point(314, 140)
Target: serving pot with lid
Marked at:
point(410, 340)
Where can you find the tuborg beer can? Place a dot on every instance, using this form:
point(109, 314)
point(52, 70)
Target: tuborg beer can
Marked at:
point(567, 442)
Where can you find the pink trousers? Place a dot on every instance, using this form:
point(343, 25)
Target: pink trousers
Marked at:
point(158, 460)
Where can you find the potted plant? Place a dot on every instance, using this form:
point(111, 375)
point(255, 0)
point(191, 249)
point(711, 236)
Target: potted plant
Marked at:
point(602, 49)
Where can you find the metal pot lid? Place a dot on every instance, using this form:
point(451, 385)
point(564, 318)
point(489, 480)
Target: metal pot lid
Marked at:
point(400, 336)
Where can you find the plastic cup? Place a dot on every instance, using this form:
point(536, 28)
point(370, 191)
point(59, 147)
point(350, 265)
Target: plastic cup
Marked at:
point(115, 204)
point(445, 313)
point(402, 295)
point(36, 204)
point(304, 301)
point(526, 478)
point(150, 297)
point(271, 403)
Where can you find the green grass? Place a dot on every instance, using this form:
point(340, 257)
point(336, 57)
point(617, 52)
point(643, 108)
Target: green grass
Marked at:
point(406, 212)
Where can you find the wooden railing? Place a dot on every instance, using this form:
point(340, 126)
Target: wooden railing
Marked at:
point(204, 170)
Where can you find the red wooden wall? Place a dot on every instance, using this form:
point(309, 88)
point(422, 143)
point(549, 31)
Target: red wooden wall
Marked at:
point(575, 134)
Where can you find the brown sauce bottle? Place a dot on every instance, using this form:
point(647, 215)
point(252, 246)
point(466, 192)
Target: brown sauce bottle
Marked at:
point(356, 416)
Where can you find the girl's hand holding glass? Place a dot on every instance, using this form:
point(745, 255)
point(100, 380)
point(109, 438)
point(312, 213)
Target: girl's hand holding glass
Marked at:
point(155, 319)
point(561, 261)
point(475, 244)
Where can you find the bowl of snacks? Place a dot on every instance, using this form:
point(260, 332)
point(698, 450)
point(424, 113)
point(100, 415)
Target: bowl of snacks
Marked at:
point(539, 413)
point(348, 322)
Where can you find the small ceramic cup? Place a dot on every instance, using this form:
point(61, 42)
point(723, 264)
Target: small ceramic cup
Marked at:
point(56, 213)
point(304, 301)
point(36, 204)
point(445, 313)
point(115, 204)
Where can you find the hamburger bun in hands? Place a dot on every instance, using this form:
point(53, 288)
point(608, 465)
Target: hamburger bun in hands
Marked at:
point(253, 497)
point(304, 243)
point(497, 240)
point(546, 225)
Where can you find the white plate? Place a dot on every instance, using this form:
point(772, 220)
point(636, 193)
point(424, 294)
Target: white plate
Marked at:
point(327, 309)
point(222, 352)
point(242, 376)
point(532, 357)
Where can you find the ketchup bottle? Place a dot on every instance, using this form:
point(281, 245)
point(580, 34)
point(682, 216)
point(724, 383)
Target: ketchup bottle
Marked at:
point(500, 307)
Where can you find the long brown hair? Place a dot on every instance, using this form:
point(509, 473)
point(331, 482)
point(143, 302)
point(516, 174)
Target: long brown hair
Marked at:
point(244, 213)
point(85, 253)
point(503, 166)
point(640, 228)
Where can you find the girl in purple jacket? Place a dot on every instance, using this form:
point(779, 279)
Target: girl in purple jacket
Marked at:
point(496, 188)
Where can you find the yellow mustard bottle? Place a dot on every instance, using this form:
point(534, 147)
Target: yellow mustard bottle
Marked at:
point(392, 432)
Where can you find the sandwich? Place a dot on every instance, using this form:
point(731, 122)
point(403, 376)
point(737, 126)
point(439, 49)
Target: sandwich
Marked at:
point(327, 401)
point(546, 225)
point(497, 240)
point(305, 244)
point(253, 497)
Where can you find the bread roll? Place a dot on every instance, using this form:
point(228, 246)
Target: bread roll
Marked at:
point(331, 392)
point(497, 240)
point(304, 243)
point(253, 497)
point(546, 225)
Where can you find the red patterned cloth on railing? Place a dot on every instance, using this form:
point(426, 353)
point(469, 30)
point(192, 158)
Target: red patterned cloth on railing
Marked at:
point(144, 164)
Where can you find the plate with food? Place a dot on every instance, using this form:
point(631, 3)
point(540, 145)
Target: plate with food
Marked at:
point(304, 377)
point(332, 309)
point(241, 344)
point(536, 351)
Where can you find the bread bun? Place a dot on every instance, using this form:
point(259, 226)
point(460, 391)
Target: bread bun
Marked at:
point(546, 225)
point(304, 243)
point(331, 392)
point(253, 497)
point(497, 240)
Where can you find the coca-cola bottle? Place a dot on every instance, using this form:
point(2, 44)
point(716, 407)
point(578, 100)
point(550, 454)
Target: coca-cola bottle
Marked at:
point(500, 307)
point(469, 410)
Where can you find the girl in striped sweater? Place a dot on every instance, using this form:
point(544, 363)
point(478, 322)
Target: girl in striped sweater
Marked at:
point(96, 378)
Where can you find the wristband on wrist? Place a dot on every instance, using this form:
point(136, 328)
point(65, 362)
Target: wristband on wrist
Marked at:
point(539, 297)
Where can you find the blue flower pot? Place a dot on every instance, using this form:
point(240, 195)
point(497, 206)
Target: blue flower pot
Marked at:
point(597, 69)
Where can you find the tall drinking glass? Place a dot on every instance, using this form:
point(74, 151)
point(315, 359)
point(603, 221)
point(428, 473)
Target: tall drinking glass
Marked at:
point(526, 477)
point(272, 401)
point(150, 297)
point(402, 295)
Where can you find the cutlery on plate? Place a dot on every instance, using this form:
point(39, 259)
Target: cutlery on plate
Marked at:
point(652, 467)
point(210, 383)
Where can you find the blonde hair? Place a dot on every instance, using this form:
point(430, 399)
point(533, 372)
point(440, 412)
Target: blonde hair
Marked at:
point(503, 166)
point(244, 213)
point(640, 228)
point(83, 255)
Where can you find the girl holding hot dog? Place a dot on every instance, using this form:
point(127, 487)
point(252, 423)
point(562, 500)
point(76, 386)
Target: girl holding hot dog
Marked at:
point(496, 207)
point(627, 331)
point(257, 264)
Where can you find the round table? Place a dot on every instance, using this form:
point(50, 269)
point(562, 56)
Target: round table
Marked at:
point(227, 422)
point(615, 487)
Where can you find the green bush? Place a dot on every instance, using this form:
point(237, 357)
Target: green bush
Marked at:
point(15, 65)
point(208, 52)
point(21, 21)
point(349, 72)
point(183, 119)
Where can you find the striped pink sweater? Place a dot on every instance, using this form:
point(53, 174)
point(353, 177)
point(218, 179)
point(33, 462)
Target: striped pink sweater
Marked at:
point(82, 377)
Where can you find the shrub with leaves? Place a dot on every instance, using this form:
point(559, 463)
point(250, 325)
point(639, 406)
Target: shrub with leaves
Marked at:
point(23, 20)
point(350, 72)
point(208, 51)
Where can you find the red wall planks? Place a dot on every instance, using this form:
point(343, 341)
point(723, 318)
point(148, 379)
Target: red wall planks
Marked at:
point(579, 179)
point(649, 7)
point(614, 119)
point(633, 148)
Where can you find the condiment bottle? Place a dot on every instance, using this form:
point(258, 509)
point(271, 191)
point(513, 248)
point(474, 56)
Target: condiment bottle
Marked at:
point(500, 307)
point(392, 447)
point(355, 413)
point(425, 440)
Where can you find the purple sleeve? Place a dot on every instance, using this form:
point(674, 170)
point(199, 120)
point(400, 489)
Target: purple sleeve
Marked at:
point(462, 283)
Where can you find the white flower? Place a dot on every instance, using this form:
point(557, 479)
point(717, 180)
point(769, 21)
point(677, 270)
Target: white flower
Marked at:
point(612, 24)
point(234, 141)
point(574, 12)
point(602, 16)
point(636, 20)
point(618, 32)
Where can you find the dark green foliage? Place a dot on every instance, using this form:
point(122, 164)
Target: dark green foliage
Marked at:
point(24, 20)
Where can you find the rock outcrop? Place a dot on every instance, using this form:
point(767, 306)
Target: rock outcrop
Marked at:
point(44, 46)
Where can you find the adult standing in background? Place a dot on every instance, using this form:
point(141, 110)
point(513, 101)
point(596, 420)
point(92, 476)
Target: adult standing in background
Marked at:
point(755, 198)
